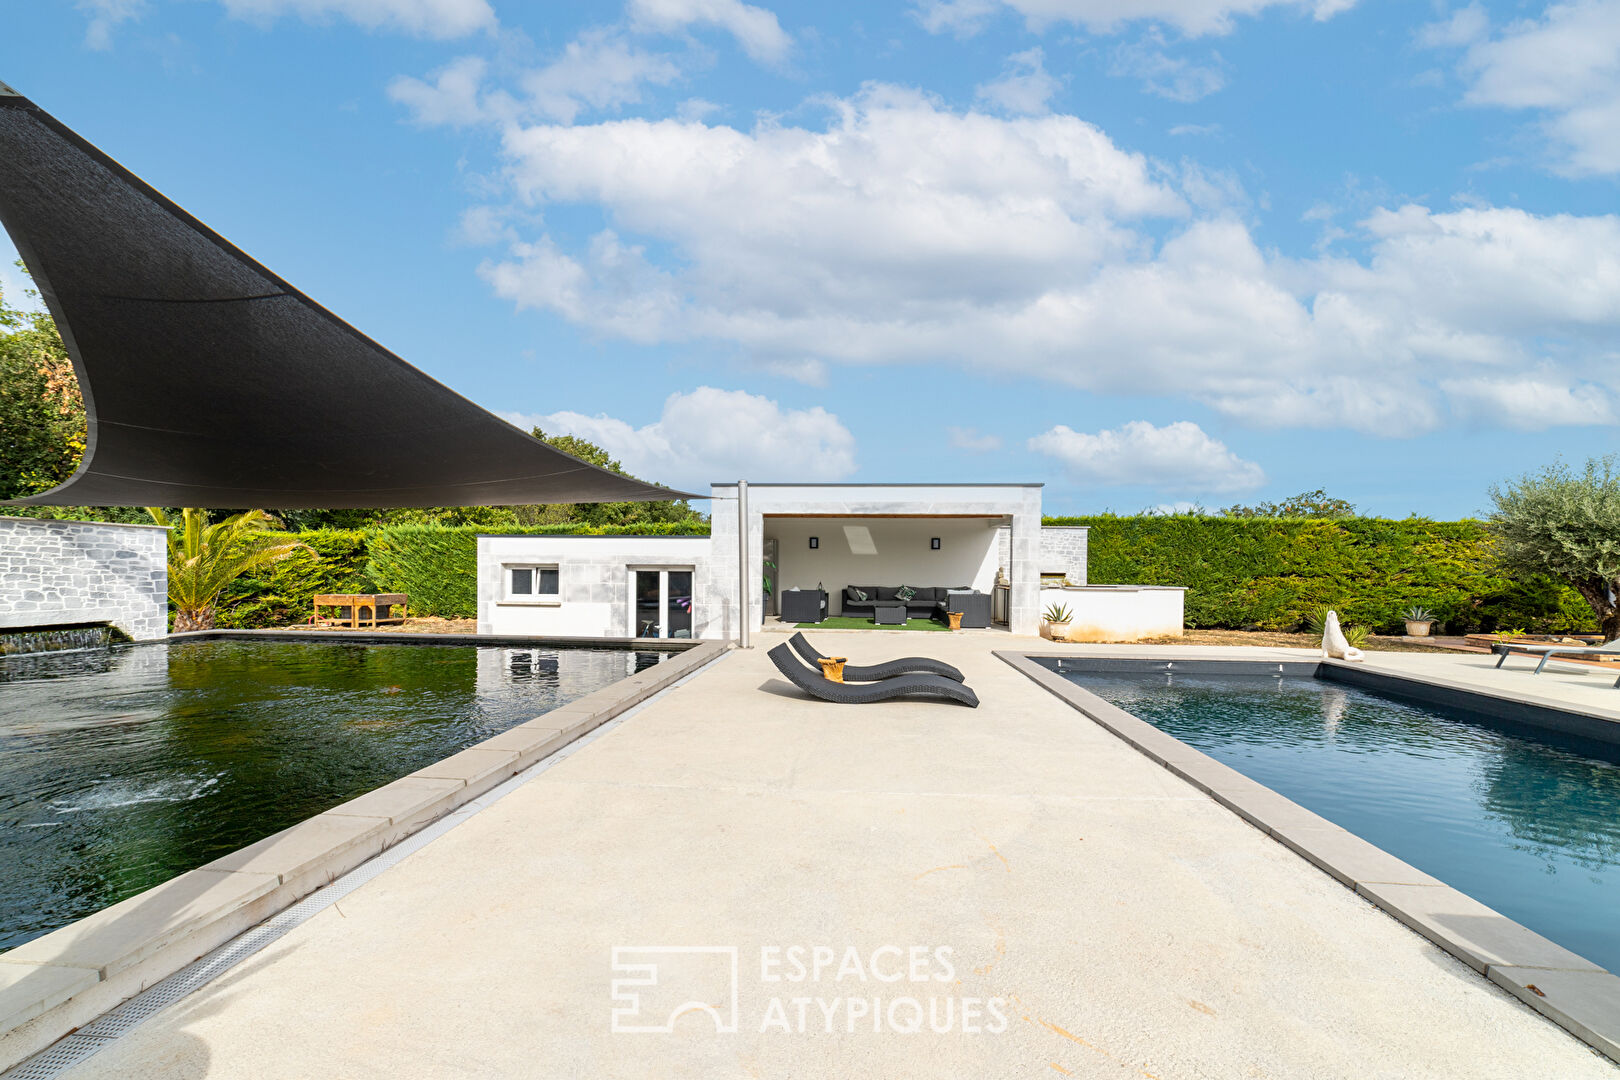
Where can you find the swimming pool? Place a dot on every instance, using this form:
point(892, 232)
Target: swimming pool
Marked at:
point(121, 768)
point(1526, 822)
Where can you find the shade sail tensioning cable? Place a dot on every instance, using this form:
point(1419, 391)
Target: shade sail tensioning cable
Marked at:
point(210, 381)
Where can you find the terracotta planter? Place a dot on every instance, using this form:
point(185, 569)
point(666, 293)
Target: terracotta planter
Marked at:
point(1416, 628)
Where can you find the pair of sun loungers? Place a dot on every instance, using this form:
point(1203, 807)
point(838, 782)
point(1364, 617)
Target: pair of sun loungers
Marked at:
point(1548, 652)
point(908, 677)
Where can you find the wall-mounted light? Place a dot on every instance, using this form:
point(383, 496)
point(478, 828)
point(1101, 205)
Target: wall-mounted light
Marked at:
point(933, 543)
point(815, 542)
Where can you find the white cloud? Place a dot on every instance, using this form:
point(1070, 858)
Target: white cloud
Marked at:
point(1462, 27)
point(756, 29)
point(1024, 87)
point(599, 69)
point(1171, 77)
point(714, 435)
point(901, 232)
point(966, 438)
point(423, 18)
point(1529, 404)
point(1177, 457)
point(1191, 17)
point(1565, 65)
point(105, 16)
point(451, 99)
point(1195, 129)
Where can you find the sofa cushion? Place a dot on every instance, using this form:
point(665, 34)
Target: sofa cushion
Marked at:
point(905, 593)
point(929, 594)
point(887, 592)
point(856, 594)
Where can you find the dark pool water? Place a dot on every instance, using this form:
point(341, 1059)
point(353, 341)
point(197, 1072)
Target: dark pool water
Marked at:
point(122, 768)
point(1525, 823)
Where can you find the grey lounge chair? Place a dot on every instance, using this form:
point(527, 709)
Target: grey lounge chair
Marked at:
point(906, 665)
point(901, 686)
point(1547, 652)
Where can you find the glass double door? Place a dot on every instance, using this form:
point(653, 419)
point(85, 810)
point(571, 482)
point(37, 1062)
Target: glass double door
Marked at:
point(662, 605)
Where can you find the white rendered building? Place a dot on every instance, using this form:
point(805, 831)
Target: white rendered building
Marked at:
point(986, 538)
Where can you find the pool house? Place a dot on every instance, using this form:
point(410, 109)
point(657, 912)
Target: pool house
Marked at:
point(817, 552)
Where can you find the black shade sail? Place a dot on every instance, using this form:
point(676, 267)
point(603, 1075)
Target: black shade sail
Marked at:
point(209, 381)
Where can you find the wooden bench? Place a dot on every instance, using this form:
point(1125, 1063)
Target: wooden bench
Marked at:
point(352, 606)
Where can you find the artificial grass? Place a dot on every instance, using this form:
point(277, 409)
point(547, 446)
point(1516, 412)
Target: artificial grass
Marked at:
point(862, 622)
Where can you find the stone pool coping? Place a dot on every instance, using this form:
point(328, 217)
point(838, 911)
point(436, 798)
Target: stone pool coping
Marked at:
point(58, 982)
point(1568, 989)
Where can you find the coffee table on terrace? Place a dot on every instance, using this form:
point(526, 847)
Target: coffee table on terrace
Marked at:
point(889, 614)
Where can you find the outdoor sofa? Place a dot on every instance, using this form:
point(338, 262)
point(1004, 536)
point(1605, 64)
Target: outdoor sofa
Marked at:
point(928, 602)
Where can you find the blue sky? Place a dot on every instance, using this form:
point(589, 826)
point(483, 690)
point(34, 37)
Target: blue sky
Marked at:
point(1150, 252)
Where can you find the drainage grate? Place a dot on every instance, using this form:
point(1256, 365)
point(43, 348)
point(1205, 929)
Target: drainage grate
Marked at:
point(100, 1033)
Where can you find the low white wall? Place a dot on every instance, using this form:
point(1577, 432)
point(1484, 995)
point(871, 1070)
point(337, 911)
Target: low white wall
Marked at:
point(966, 555)
point(1119, 612)
point(594, 581)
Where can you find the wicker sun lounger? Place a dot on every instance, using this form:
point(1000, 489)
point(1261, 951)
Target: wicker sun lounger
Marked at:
point(901, 686)
point(906, 665)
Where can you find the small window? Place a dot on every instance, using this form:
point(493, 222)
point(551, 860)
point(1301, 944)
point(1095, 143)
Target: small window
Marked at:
point(532, 582)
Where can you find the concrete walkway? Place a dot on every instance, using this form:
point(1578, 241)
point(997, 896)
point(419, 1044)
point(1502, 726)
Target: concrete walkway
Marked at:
point(1130, 926)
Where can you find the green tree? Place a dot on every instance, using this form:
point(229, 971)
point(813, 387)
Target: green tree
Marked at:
point(1566, 523)
point(42, 423)
point(612, 513)
point(205, 557)
point(1307, 504)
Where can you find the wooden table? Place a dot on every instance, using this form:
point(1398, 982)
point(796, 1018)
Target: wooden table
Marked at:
point(351, 605)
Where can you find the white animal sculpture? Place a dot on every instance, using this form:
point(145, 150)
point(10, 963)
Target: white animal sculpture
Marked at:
point(1334, 645)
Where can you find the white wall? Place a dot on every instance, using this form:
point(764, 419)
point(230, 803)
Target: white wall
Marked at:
point(1120, 612)
point(967, 554)
point(1020, 502)
point(594, 582)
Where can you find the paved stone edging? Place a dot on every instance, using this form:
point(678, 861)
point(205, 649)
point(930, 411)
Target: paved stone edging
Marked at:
point(1568, 989)
point(59, 982)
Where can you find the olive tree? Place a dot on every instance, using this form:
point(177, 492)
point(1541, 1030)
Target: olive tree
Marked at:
point(1565, 522)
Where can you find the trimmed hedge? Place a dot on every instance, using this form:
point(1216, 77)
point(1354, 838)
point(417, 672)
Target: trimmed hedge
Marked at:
point(333, 561)
point(1268, 573)
point(438, 564)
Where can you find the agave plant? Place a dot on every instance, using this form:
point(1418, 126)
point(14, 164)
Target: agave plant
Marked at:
point(1417, 614)
point(205, 557)
point(1057, 613)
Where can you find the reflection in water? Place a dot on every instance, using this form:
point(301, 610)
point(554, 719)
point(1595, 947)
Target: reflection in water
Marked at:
point(1527, 822)
point(121, 768)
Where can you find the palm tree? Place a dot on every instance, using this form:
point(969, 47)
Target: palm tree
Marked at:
point(204, 558)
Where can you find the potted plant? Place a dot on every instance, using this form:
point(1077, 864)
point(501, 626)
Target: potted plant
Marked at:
point(1055, 622)
point(1419, 621)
